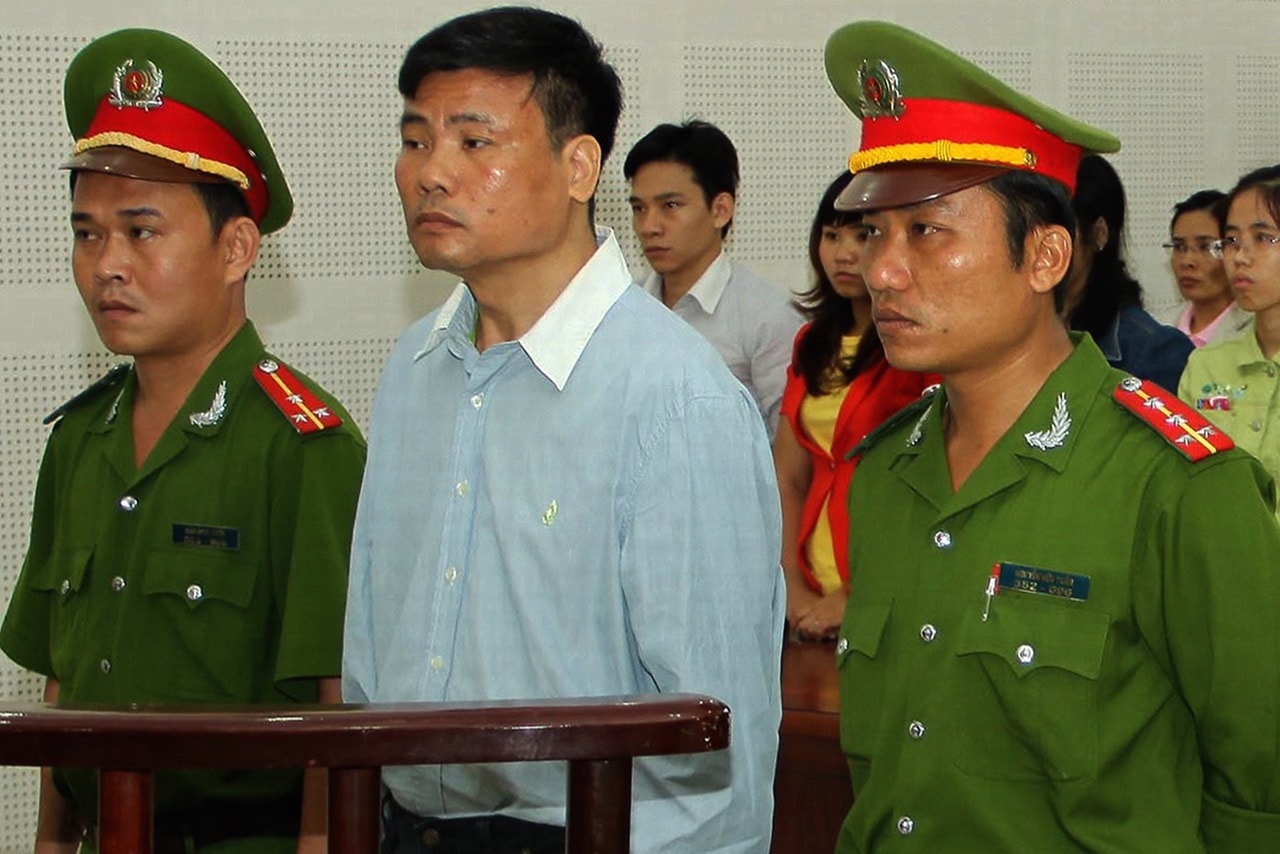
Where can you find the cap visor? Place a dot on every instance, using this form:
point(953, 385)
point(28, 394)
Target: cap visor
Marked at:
point(127, 163)
point(899, 184)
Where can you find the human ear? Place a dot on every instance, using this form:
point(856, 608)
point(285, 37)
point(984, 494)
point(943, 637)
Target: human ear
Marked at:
point(1049, 257)
point(239, 242)
point(723, 207)
point(582, 158)
point(1099, 234)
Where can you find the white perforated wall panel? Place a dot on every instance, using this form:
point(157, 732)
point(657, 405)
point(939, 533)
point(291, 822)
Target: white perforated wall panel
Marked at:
point(1192, 89)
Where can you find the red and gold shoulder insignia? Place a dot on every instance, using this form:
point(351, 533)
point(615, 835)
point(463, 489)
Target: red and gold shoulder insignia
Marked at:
point(1179, 424)
point(306, 412)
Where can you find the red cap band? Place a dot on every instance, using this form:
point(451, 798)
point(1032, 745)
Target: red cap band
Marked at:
point(929, 120)
point(184, 135)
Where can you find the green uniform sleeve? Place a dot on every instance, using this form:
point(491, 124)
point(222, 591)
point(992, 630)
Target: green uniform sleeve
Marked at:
point(1216, 623)
point(313, 512)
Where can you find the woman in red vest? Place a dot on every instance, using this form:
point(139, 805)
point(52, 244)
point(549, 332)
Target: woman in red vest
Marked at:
point(839, 388)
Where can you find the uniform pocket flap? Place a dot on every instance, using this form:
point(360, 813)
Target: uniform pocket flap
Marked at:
point(65, 571)
point(1029, 634)
point(863, 627)
point(198, 576)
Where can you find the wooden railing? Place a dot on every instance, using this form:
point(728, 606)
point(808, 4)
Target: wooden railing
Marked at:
point(598, 737)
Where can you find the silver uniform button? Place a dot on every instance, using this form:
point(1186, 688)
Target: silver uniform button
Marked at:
point(1271, 370)
point(462, 488)
point(477, 401)
point(906, 824)
point(842, 646)
point(1256, 426)
point(117, 584)
point(942, 539)
point(436, 662)
point(916, 730)
point(195, 593)
point(65, 587)
point(128, 504)
point(104, 666)
point(928, 633)
point(1026, 653)
point(451, 574)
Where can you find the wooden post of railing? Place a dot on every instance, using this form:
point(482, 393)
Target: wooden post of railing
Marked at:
point(598, 737)
point(125, 800)
point(599, 802)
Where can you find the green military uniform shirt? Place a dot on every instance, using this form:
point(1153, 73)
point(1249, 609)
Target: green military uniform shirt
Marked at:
point(1126, 699)
point(216, 573)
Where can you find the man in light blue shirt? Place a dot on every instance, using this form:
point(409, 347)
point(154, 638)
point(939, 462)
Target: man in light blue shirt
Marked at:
point(684, 187)
point(567, 493)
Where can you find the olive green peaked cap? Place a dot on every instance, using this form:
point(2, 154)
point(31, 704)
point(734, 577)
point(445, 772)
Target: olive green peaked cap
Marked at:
point(146, 104)
point(933, 122)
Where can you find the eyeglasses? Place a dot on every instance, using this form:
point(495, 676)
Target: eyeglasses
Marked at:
point(1182, 247)
point(1258, 241)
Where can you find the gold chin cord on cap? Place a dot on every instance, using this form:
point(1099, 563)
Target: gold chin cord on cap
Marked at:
point(943, 151)
point(188, 159)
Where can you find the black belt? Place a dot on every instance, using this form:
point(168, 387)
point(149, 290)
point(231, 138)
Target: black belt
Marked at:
point(404, 832)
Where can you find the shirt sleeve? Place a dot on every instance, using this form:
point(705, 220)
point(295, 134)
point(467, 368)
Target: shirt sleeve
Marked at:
point(1218, 628)
point(705, 596)
point(770, 361)
point(314, 513)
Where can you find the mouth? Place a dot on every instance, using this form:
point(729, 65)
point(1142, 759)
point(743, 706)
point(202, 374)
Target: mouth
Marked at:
point(114, 308)
point(1241, 283)
point(889, 321)
point(435, 221)
point(650, 251)
point(1187, 282)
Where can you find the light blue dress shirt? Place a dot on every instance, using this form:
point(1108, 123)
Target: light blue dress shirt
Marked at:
point(751, 322)
point(588, 510)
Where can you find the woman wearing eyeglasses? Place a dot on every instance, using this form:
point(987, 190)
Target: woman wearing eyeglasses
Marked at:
point(1102, 298)
point(1211, 313)
point(1236, 382)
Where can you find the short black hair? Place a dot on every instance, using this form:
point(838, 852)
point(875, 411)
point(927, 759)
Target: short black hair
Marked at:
point(1266, 181)
point(699, 145)
point(222, 201)
point(1032, 201)
point(577, 91)
point(1200, 200)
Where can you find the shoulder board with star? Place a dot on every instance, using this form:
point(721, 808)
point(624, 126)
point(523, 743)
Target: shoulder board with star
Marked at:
point(298, 403)
point(913, 411)
point(110, 378)
point(1179, 424)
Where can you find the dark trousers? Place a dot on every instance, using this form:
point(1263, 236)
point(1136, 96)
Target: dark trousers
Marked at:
point(406, 833)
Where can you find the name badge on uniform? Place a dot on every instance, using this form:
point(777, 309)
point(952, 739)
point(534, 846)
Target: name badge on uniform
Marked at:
point(207, 536)
point(1047, 582)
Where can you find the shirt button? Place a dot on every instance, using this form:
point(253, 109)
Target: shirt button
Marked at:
point(1026, 653)
point(928, 633)
point(128, 504)
point(117, 584)
point(842, 646)
point(104, 666)
point(65, 587)
point(477, 401)
point(195, 593)
point(436, 662)
point(916, 730)
point(461, 488)
point(1271, 370)
point(906, 825)
point(942, 539)
point(451, 574)
point(1256, 426)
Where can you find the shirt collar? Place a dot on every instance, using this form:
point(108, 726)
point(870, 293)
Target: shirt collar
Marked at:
point(556, 341)
point(706, 291)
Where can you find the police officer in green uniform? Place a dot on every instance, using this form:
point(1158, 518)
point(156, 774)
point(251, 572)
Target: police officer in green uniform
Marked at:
point(193, 511)
point(1063, 629)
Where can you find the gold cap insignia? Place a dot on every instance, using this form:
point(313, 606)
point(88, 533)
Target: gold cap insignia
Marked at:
point(879, 93)
point(136, 87)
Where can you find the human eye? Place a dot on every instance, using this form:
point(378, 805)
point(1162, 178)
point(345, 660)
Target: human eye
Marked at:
point(473, 143)
point(868, 232)
point(1270, 238)
point(924, 229)
point(141, 232)
point(830, 234)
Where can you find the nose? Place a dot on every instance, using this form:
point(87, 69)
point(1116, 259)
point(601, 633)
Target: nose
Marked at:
point(422, 171)
point(646, 222)
point(884, 264)
point(848, 248)
point(111, 262)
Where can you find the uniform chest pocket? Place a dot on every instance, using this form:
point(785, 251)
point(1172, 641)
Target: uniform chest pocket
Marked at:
point(862, 679)
point(211, 629)
point(64, 574)
point(1027, 689)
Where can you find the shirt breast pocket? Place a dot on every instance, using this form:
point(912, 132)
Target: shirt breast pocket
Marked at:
point(205, 637)
point(862, 680)
point(65, 578)
point(1027, 689)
